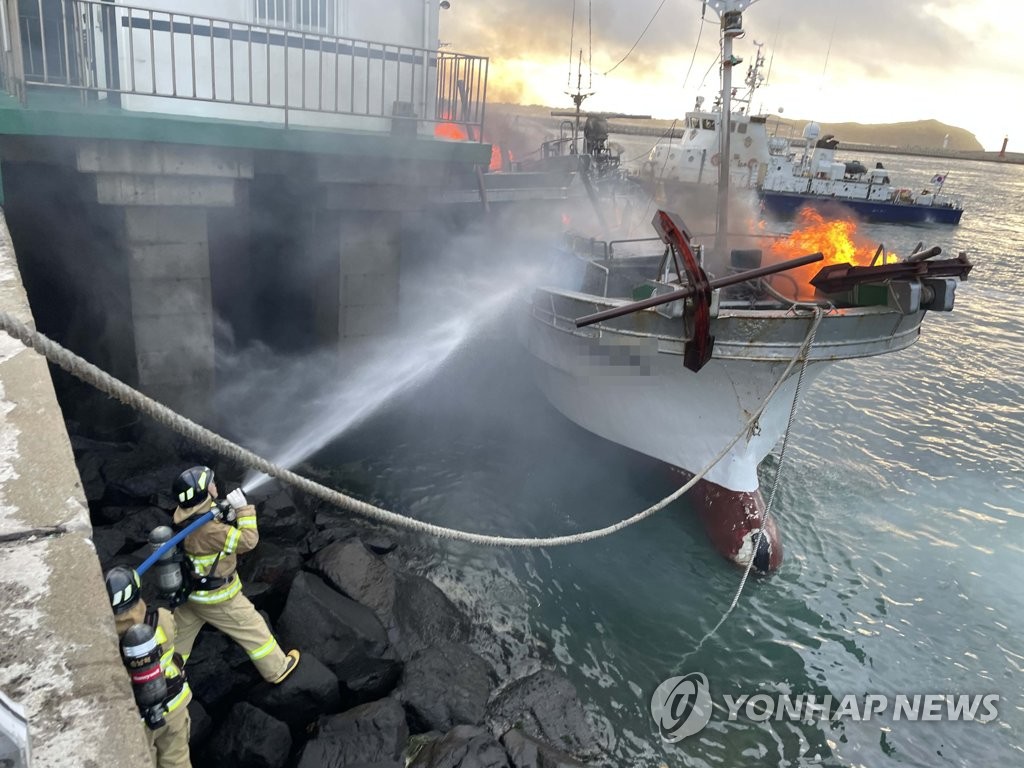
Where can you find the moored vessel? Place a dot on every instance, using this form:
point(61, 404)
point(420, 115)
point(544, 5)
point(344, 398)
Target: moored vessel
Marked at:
point(694, 353)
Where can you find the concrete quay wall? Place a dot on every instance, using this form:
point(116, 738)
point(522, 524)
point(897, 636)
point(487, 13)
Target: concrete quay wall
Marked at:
point(58, 650)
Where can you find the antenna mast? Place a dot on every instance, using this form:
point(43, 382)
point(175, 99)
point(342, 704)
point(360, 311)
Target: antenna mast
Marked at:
point(731, 14)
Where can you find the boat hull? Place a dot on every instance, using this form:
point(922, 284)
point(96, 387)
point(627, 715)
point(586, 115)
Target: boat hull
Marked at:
point(786, 204)
point(625, 380)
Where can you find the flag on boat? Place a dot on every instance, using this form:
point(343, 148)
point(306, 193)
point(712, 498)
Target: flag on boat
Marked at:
point(938, 178)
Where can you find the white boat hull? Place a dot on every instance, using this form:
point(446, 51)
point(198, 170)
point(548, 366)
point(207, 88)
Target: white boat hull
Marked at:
point(630, 386)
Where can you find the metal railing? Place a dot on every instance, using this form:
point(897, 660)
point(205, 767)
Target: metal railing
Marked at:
point(142, 57)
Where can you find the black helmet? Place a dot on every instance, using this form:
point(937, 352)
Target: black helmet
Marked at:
point(192, 486)
point(123, 587)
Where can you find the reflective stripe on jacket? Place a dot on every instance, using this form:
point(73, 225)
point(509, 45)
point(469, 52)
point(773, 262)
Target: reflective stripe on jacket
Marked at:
point(165, 636)
point(212, 549)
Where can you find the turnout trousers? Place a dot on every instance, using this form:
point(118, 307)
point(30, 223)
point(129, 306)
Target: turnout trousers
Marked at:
point(237, 618)
point(169, 744)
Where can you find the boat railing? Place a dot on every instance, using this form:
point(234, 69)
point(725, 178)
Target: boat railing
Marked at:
point(592, 248)
point(150, 59)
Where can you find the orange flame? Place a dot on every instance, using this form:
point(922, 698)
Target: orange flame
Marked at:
point(496, 161)
point(838, 241)
point(451, 131)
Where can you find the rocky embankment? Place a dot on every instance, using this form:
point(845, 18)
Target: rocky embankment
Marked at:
point(388, 676)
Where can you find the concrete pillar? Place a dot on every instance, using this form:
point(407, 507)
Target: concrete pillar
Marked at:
point(166, 191)
point(362, 202)
point(172, 310)
point(368, 258)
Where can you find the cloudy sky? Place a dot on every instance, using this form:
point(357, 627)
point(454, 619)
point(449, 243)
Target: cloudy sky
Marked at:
point(957, 61)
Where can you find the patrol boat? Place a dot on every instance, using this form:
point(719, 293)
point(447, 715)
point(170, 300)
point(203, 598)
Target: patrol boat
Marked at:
point(637, 341)
point(815, 177)
point(684, 175)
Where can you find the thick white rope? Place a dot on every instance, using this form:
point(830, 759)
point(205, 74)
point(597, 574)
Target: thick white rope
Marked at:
point(818, 314)
point(104, 382)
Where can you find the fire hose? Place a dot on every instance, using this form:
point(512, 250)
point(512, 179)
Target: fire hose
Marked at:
point(168, 545)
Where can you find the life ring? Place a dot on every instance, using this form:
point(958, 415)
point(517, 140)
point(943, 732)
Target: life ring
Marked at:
point(752, 163)
point(747, 142)
point(714, 159)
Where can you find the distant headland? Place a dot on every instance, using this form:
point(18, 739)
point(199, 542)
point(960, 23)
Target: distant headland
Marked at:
point(926, 138)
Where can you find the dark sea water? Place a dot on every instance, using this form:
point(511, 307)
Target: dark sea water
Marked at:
point(901, 506)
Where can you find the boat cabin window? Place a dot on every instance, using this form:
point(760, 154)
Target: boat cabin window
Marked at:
point(708, 124)
point(741, 128)
point(693, 122)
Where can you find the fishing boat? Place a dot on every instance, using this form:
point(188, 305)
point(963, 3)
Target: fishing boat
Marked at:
point(815, 177)
point(685, 351)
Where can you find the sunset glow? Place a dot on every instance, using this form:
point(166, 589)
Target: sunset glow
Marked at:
point(873, 61)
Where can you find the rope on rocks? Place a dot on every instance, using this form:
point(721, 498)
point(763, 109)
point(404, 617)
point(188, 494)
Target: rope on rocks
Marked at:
point(104, 382)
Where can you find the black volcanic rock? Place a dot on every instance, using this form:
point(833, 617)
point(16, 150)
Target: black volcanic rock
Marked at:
point(373, 733)
point(465, 746)
point(526, 752)
point(445, 686)
point(310, 691)
point(346, 636)
point(138, 523)
point(274, 566)
point(355, 571)
point(424, 616)
point(108, 542)
point(249, 738)
point(545, 706)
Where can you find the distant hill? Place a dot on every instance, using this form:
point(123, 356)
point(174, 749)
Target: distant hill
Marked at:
point(917, 135)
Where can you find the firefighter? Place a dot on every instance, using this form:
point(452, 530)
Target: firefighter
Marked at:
point(169, 743)
point(216, 592)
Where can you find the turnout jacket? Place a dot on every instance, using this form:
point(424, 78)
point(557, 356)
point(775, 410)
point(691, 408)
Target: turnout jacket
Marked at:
point(212, 549)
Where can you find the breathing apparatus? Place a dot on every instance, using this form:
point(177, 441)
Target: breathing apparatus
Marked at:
point(141, 653)
point(170, 568)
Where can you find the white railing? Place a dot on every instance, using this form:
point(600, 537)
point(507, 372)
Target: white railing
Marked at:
point(161, 61)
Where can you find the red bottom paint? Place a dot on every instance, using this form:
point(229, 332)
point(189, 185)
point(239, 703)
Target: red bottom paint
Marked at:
point(732, 519)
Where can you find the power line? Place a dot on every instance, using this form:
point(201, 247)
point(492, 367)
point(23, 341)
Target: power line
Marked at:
point(572, 32)
point(656, 12)
point(590, 44)
point(693, 58)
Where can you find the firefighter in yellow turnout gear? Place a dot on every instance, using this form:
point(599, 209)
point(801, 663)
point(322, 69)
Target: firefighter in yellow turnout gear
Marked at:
point(216, 593)
point(169, 743)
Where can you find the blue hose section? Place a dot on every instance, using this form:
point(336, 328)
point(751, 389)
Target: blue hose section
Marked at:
point(173, 541)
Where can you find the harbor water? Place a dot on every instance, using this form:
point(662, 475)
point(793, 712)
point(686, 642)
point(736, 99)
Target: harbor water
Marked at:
point(901, 507)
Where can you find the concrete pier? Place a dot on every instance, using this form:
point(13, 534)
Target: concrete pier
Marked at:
point(58, 651)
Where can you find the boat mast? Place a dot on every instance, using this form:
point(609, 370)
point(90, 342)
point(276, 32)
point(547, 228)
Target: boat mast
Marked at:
point(731, 13)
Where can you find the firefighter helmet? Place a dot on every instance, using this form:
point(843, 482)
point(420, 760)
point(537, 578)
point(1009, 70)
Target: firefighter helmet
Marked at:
point(192, 486)
point(123, 587)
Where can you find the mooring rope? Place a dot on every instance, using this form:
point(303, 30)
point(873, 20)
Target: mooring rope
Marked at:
point(818, 314)
point(85, 371)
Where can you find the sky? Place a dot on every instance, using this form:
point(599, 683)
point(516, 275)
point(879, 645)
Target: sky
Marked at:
point(870, 61)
